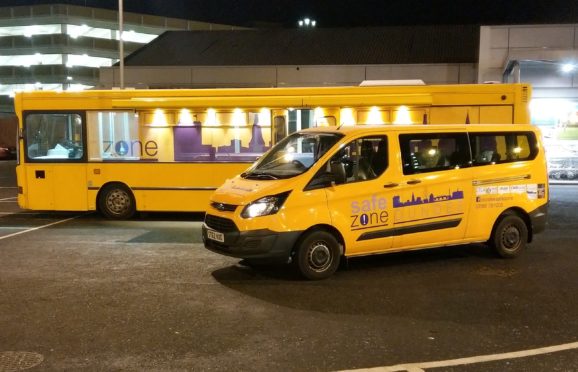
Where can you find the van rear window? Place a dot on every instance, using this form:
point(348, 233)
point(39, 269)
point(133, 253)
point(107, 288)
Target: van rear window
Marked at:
point(495, 148)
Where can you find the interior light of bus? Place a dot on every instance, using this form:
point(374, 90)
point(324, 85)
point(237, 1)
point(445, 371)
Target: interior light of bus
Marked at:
point(347, 118)
point(517, 150)
point(159, 118)
point(375, 116)
point(318, 115)
point(185, 117)
point(402, 116)
point(239, 118)
point(212, 117)
point(265, 117)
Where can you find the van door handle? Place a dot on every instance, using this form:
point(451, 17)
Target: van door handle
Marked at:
point(413, 182)
point(391, 184)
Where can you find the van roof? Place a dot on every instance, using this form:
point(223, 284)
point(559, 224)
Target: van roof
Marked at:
point(424, 127)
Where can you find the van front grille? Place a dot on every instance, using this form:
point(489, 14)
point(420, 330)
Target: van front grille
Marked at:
point(220, 223)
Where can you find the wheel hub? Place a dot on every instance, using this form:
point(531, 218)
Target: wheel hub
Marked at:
point(118, 201)
point(320, 256)
point(511, 237)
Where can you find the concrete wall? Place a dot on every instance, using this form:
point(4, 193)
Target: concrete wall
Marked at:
point(542, 49)
point(274, 76)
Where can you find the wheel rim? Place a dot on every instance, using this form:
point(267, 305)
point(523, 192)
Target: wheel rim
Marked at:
point(319, 257)
point(511, 238)
point(118, 201)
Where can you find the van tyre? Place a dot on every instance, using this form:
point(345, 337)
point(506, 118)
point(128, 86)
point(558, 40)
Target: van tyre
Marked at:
point(318, 255)
point(510, 236)
point(116, 201)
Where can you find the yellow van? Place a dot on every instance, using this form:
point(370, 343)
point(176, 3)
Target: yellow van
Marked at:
point(326, 193)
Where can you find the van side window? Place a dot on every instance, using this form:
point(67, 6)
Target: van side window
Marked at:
point(360, 160)
point(493, 148)
point(432, 152)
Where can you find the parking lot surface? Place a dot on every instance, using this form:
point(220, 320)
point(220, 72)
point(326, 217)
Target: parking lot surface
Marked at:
point(79, 292)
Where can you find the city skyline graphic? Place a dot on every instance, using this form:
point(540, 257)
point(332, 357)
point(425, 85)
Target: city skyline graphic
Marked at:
point(397, 203)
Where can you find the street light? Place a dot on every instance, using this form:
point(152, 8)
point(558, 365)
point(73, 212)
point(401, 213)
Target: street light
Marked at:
point(307, 22)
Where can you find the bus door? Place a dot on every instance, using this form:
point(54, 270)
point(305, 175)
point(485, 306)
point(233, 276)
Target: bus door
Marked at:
point(55, 169)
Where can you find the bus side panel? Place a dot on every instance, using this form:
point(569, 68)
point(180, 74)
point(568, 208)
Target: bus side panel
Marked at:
point(164, 186)
point(54, 187)
point(38, 186)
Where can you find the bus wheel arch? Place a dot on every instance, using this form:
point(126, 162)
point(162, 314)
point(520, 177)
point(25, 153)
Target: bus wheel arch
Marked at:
point(116, 201)
point(317, 253)
point(511, 233)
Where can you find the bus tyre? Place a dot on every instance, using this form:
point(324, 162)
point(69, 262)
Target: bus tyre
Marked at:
point(116, 201)
point(318, 255)
point(510, 236)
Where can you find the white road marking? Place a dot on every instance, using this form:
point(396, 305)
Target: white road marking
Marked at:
point(420, 367)
point(37, 228)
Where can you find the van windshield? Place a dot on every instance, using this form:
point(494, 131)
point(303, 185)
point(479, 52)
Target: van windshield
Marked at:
point(292, 156)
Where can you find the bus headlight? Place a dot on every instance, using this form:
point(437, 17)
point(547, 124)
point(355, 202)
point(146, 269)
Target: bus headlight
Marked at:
point(264, 206)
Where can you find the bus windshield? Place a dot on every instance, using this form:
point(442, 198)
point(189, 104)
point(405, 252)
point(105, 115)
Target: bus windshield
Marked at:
point(292, 156)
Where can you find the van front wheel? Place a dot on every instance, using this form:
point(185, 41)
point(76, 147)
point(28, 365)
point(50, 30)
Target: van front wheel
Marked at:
point(318, 255)
point(510, 236)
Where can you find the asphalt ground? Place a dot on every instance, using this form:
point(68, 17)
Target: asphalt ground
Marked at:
point(82, 293)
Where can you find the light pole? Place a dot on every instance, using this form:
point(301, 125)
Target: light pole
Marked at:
point(120, 43)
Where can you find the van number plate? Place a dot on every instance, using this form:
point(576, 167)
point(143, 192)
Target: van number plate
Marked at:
point(217, 236)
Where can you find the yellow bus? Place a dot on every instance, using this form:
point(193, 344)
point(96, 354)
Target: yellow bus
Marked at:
point(123, 151)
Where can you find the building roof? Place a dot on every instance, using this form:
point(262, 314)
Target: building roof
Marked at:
point(384, 45)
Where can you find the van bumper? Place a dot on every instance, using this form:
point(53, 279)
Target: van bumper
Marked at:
point(262, 244)
point(538, 218)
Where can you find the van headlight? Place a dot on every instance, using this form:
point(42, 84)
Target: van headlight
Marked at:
point(265, 206)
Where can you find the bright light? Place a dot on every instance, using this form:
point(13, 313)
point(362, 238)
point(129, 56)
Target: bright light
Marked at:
point(159, 118)
point(375, 116)
point(185, 117)
point(265, 117)
point(517, 150)
point(568, 67)
point(239, 117)
point(347, 118)
point(307, 22)
point(212, 117)
point(69, 78)
point(402, 116)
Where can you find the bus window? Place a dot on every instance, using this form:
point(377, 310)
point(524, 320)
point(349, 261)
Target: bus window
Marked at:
point(113, 135)
point(54, 136)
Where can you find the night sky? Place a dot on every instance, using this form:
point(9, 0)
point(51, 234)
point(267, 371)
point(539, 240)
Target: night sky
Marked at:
point(345, 13)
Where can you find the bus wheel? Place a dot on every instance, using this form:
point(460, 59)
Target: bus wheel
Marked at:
point(510, 236)
point(318, 255)
point(116, 201)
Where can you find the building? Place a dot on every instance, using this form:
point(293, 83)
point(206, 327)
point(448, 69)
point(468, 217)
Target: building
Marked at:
point(64, 46)
point(302, 57)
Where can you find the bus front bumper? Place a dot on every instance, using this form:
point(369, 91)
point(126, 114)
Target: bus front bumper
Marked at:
point(262, 244)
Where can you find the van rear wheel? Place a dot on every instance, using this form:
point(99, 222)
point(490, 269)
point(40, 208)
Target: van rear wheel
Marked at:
point(116, 201)
point(510, 236)
point(318, 255)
